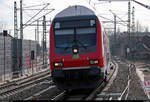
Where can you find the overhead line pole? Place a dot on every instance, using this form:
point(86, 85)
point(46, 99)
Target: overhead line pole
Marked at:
point(115, 35)
point(15, 44)
point(129, 18)
point(44, 43)
point(21, 21)
point(133, 20)
point(21, 35)
point(15, 21)
point(128, 29)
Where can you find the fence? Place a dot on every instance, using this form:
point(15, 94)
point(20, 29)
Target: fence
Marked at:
point(27, 47)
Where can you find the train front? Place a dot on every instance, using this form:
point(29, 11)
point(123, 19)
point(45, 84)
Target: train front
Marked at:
point(76, 50)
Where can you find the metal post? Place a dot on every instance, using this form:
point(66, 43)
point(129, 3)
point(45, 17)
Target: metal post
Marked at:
point(15, 45)
point(30, 53)
point(4, 57)
point(4, 34)
point(21, 35)
point(38, 31)
point(115, 36)
point(15, 21)
point(133, 28)
point(133, 20)
point(32, 66)
point(44, 42)
point(45, 45)
point(129, 17)
point(129, 13)
point(21, 21)
point(36, 49)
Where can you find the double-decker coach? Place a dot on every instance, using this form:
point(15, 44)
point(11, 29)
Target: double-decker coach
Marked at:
point(79, 49)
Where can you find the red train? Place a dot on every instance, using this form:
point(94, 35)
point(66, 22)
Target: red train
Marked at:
point(79, 49)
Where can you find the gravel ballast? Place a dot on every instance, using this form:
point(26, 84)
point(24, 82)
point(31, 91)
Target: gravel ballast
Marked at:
point(136, 92)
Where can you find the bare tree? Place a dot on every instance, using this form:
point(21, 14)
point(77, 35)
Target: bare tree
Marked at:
point(146, 29)
point(138, 27)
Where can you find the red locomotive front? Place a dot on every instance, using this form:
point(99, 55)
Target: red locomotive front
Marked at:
point(76, 49)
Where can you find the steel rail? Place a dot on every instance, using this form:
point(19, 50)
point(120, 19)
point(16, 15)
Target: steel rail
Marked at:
point(59, 96)
point(24, 83)
point(100, 88)
point(87, 97)
point(22, 87)
point(13, 82)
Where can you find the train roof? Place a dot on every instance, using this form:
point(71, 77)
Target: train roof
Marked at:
point(76, 10)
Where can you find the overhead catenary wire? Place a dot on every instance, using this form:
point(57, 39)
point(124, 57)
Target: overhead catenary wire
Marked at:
point(37, 14)
point(38, 18)
point(97, 11)
point(109, 20)
point(36, 5)
point(118, 17)
point(36, 9)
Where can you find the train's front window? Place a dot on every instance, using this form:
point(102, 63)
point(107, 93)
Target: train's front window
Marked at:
point(86, 30)
point(64, 38)
point(82, 33)
point(86, 35)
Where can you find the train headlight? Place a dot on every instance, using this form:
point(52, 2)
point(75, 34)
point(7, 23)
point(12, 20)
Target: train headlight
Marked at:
point(94, 61)
point(75, 50)
point(58, 64)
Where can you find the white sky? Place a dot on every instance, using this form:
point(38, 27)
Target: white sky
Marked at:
point(120, 8)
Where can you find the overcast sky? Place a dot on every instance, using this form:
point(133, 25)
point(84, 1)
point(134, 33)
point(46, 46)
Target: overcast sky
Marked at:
point(102, 8)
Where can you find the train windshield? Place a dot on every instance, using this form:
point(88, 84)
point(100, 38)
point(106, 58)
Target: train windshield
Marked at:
point(81, 33)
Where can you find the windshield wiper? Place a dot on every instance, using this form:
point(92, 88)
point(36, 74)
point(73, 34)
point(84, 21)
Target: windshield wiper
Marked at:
point(66, 46)
point(82, 45)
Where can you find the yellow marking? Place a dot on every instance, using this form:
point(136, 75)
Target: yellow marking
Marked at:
point(35, 97)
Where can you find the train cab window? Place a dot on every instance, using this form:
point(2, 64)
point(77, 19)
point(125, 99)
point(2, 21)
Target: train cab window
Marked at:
point(85, 30)
point(64, 31)
point(82, 32)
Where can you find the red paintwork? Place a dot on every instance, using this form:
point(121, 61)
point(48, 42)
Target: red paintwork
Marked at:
point(82, 61)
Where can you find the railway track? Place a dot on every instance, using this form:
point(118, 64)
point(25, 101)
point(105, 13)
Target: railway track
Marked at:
point(22, 84)
point(13, 82)
point(49, 93)
point(83, 94)
point(121, 94)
